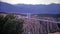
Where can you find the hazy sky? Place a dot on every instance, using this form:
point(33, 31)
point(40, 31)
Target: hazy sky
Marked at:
point(31, 1)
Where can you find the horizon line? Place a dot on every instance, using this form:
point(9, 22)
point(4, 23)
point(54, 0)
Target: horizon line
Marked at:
point(30, 4)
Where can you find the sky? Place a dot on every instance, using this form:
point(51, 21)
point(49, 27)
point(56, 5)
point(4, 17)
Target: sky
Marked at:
point(31, 1)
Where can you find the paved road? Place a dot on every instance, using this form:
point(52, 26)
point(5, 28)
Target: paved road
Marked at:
point(43, 20)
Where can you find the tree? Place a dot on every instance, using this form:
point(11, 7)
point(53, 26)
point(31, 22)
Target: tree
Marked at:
point(11, 25)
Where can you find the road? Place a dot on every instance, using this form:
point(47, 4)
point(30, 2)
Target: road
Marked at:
point(42, 20)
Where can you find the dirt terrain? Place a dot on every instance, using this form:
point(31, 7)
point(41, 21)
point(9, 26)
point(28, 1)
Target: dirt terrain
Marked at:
point(55, 33)
point(39, 26)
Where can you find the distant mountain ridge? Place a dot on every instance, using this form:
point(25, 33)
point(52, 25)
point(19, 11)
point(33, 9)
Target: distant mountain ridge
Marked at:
point(35, 9)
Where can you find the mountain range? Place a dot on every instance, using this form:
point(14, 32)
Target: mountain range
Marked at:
point(27, 8)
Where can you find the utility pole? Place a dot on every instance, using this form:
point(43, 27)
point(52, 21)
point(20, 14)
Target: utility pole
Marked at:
point(28, 15)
